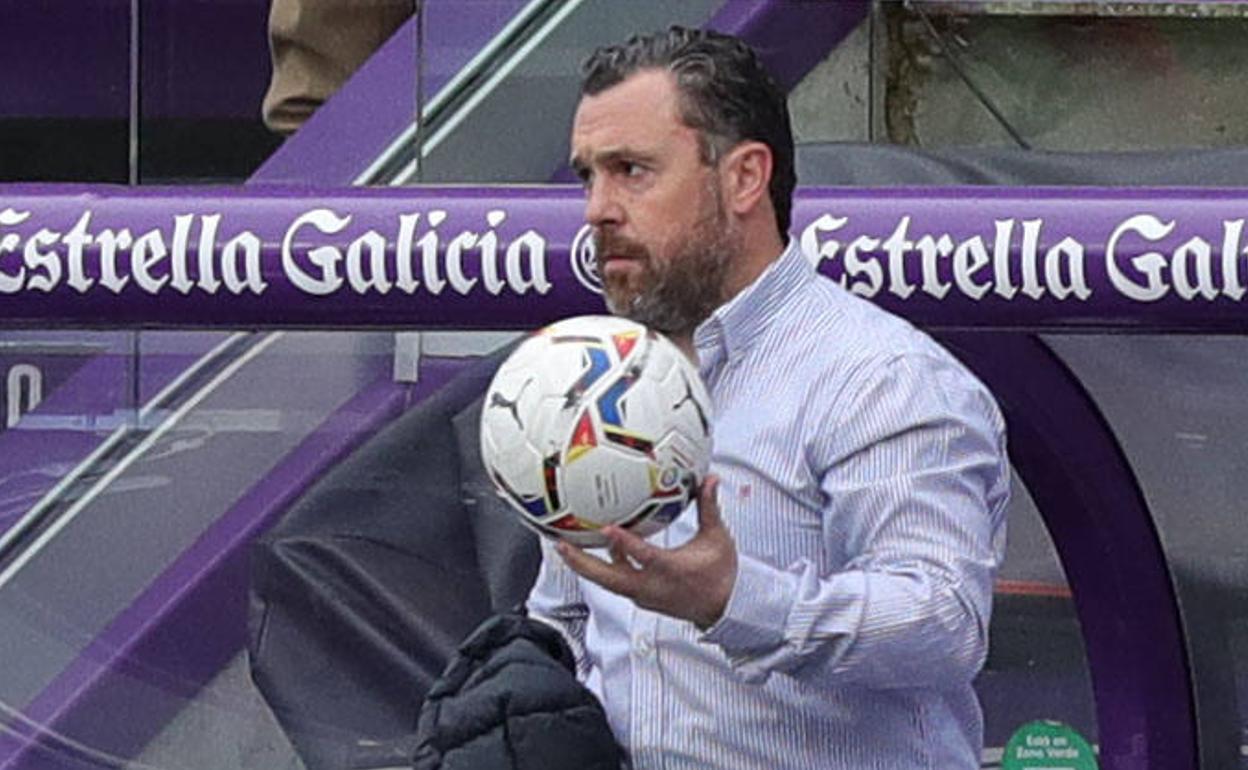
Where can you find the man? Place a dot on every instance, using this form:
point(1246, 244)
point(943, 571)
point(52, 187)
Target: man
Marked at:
point(827, 605)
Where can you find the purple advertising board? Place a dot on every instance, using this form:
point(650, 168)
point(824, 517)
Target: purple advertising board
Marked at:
point(513, 257)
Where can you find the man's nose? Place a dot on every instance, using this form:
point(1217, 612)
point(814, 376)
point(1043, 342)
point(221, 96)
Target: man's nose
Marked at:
point(601, 206)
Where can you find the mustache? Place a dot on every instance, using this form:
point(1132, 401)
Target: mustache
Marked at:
point(608, 242)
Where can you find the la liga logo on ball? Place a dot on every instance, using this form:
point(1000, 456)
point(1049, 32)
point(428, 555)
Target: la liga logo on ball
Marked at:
point(596, 420)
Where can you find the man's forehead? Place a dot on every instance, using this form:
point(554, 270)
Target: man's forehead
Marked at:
point(641, 110)
point(649, 94)
point(652, 80)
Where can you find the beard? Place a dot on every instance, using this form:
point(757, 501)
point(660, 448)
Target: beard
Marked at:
point(675, 294)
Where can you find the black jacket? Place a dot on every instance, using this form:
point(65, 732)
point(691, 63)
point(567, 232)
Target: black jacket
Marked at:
point(361, 594)
point(509, 700)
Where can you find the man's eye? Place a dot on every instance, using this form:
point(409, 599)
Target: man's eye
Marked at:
point(633, 169)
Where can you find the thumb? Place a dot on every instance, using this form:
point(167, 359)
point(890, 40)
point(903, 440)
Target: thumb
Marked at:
point(708, 505)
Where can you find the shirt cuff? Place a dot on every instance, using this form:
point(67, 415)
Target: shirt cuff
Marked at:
point(757, 611)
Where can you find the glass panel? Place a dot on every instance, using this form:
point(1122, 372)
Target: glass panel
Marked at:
point(524, 79)
point(228, 428)
point(204, 69)
point(64, 75)
point(1176, 405)
point(124, 527)
point(1036, 667)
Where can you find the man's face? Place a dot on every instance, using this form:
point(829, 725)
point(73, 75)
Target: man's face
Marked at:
point(662, 235)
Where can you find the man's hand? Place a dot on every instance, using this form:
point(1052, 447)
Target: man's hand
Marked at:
point(692, 582)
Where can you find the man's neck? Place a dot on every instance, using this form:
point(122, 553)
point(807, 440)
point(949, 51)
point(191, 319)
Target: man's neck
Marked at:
point(685, 343)
point(756, 256)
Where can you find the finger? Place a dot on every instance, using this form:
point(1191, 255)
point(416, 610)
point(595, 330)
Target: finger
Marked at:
point(708, 505)
point(633, 547)
point(620, 579)
point(618, 556)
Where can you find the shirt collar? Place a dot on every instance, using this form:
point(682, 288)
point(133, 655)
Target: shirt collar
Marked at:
point(736, 324)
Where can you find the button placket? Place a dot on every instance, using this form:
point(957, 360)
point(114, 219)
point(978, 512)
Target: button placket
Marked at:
point(647, 721)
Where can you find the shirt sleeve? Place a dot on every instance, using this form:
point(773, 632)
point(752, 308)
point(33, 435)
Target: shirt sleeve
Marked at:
point(914, 480)
point(556, 600)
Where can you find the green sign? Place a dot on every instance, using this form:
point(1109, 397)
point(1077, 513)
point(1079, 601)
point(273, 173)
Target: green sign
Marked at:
point(1047, 745)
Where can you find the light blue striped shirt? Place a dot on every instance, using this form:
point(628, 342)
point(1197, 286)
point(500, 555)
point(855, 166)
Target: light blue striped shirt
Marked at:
point(864, 480)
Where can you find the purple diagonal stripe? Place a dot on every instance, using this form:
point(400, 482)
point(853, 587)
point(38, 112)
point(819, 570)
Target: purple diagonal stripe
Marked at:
point(345, 135)
point(790, 36)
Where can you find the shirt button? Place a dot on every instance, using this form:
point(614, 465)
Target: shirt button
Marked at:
point(643, 646)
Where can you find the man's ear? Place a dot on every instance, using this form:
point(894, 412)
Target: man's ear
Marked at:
point(747, 172)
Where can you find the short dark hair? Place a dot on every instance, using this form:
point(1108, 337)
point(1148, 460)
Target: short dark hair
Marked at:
point(726, 95)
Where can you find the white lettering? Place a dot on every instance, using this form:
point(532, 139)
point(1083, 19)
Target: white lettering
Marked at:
point(376, 278)
point(47, 261)
point(856, 266)
point(428, 243)
point(141, 262)
point(24, 392)
point(110, 243)
point(930, 249)
point(488, 244)
point(1150, 263)
point(11, 283)
point(819, 251)
point(1003, 286)
point(968, 258)
point(77, 239)
point(252, 279)
point(897, 247)
point(406, 281)
point(535, 246)
point(1031, 244)
point(455, 262)
point(205, 253)
point(1201, 253)
point(1231, 284)
point(1068, 254)
point(326, 258)
point(179, 280)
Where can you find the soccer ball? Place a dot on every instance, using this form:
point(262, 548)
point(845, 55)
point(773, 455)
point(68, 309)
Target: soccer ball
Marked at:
point(596, 420)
